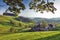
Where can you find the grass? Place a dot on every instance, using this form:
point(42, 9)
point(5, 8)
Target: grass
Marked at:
point(49, 35)
point(42, 35)
point(5, 24)
point(4, 29)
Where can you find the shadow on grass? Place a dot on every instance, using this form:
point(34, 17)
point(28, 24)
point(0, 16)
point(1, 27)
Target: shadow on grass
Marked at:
point(55, 37)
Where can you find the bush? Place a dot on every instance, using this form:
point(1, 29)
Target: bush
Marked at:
point(12, 30)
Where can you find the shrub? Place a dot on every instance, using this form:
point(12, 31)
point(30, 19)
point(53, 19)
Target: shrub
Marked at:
point(12, 30)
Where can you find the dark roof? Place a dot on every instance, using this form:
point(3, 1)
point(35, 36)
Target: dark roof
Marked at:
point(50, 25)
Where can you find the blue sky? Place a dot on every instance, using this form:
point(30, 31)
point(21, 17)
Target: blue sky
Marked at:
point(31, 13)
point(3, 7)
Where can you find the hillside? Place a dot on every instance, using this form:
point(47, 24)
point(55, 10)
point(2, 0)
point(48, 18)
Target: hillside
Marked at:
point(38, 20)
point(7, 22)
point(24, 19)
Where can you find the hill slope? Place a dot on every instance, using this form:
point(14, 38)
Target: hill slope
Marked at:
point(38, 20)
point(7, 22)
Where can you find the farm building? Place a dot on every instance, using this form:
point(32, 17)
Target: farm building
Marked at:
point(39, 28)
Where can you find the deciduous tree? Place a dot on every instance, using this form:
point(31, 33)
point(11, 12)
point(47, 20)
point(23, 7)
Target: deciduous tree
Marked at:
point(16, 6)
point(42, 5)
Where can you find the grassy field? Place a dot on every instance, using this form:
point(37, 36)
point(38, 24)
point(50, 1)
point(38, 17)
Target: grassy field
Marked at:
point(47, 35)
point(42, 35)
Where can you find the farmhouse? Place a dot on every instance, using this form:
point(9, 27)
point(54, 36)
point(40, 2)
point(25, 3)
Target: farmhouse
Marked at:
point(51, 26)
point(39, 28)
point(36, 28)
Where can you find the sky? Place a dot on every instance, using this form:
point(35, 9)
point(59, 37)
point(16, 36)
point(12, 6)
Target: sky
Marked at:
point(31, 13)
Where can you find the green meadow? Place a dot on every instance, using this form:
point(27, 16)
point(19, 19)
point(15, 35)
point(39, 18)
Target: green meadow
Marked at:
point(47, 35)
point(19, 34)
